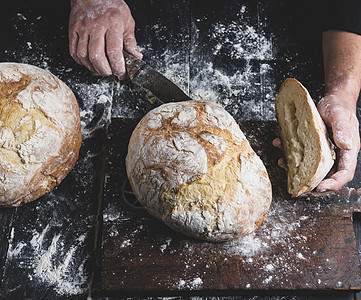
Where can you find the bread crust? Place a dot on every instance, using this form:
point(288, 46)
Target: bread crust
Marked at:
point(190, 165)
point(323, 147)
point(40, 133)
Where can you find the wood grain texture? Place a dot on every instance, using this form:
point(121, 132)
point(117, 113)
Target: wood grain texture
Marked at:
point(304, 244)
point(6, 221)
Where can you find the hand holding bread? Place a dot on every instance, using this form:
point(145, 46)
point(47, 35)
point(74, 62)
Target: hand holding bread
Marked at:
point(341, 118)
point(308, 150)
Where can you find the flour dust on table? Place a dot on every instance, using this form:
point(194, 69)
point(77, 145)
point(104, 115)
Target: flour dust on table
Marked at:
point(246, 90)
point(54, 265)
point(47, 252)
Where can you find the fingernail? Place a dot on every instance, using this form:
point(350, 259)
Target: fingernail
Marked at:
point(321, 189)
point(121, 77)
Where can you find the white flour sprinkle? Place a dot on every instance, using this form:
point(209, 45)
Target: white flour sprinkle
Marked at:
point(125, 243)
point(248, 91)
point(268, 279)
point(54, 264)
point(300, 256)
point(245, 41)
point(246, 246)
point(165, 245)
point(195, 283)
point(14, 251)
point(269, 267)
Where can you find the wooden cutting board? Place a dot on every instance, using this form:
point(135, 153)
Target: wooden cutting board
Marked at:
point(304, 244)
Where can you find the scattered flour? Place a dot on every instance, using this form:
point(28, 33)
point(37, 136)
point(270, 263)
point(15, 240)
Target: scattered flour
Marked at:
point(246, 87)
point(249, 246)
point(52, 264)
point(111, 214)
point(125, 243)
point(245, 41)
point(192, 284)
point(300, 256)
point(14, 251)
point(165, 245)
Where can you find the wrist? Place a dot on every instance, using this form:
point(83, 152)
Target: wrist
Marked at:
point(348, 91)
point(337, 84)
point(339, 98)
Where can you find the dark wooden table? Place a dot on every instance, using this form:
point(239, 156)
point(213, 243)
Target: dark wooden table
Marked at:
point(234, 52)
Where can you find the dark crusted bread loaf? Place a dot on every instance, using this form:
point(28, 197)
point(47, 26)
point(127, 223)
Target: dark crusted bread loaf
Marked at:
point(190, 165)
point(40, 132)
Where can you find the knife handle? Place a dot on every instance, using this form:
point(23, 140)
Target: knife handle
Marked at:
point(132, 64)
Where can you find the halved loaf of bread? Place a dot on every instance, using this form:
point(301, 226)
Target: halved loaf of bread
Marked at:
point(307, 148)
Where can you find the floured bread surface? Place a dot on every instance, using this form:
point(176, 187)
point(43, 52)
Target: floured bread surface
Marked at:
point(190, 165)
point(40, 132)
point(308, 150)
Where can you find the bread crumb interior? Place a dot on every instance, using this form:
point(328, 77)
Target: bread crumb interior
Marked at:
point(299, 137)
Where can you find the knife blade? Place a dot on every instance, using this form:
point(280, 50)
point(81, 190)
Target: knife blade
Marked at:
point(150, 84)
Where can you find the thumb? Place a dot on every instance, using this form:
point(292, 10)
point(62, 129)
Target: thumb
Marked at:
point(342, 135)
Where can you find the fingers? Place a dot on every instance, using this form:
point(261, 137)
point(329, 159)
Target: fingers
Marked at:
point(130, 45)
point(73, 42)
point(282, 163)
point(82, 52)
point(347, 161)
point(338, 112)
point(335, 182)
point(101, 52)
point(114, 48)
point(342, 134)
point(97, 54)
point(277, 143)
point(98, 32)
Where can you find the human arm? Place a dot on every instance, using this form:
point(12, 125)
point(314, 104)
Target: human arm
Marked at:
point(342, 63)
point(98, 33)
point(342, 66)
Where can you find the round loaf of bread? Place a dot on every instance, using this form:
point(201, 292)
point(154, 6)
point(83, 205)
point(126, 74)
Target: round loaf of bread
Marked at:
point(190, 165)
point(40, 133)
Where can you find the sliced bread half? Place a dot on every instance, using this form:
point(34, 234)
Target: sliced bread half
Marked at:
point(307, 148)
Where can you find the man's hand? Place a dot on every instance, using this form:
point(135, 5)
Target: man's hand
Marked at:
point(342, 64)
point(340, 116)
point(98, 33)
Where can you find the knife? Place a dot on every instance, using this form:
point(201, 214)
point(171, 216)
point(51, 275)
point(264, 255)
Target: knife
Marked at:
point(150, 84)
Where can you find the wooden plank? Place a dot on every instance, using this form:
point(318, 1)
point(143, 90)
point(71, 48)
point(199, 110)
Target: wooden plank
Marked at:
point(52, 238)
point(304, 244)
point(6, 220)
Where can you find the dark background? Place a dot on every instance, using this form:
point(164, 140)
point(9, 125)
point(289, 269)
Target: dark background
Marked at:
point(183, 36)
